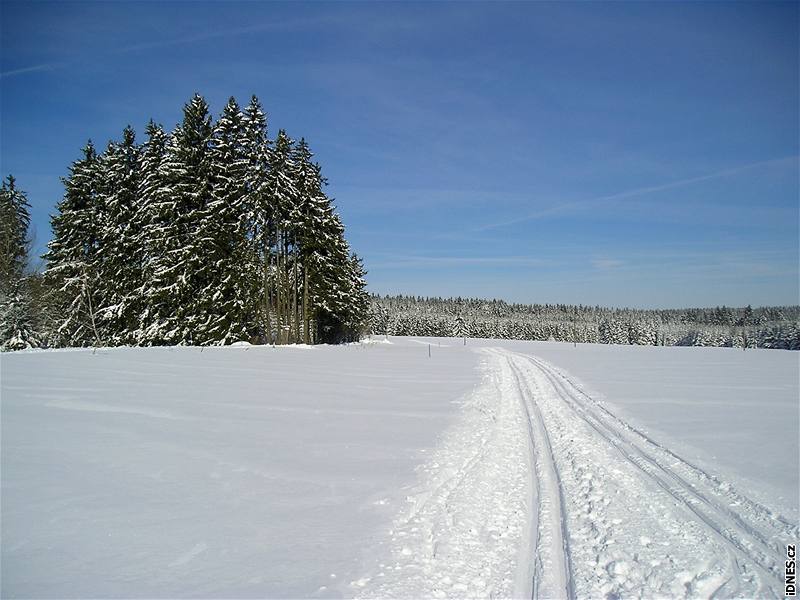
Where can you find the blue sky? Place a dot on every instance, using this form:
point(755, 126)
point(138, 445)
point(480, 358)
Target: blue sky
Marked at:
point(632, 154)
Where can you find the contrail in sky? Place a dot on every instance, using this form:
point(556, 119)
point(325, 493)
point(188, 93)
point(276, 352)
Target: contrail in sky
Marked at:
point(600, 200)
point(200, 37)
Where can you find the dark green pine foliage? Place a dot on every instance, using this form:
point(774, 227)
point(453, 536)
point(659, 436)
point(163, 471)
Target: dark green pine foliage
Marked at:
point(312, 212)
point(18, 323)
point(333, 285)
point(356, 315)
point(72, 256)
point(19, 320)
point(154, 213)
point(333, 288)
point(179, 313)
point(258, 217)
point(14, 221)
point(225, 220)
point(120, 264)
point(280, 197)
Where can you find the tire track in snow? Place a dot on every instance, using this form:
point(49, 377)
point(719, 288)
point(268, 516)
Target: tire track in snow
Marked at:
point(735, 552)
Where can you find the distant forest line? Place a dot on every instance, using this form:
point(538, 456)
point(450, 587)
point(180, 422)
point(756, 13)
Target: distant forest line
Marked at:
point(775, 327)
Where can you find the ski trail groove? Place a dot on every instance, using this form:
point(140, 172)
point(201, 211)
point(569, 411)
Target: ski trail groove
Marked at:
point(683, 491)
point(735, 553)
point(766, 516)
point(552, 570)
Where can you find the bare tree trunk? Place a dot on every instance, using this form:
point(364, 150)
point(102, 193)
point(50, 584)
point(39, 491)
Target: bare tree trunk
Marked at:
point(285, 300)
point(287, 295)
point(88, 296)
point(295, 292)
point(282, 284)
point(277, 278)
point(267, 295)
point(306, 316)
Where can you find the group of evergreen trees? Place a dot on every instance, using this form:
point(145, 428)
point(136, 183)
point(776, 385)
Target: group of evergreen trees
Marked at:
point(211, 234)
point(769, 327)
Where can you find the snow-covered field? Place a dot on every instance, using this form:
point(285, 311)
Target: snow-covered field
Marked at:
point(374, 470)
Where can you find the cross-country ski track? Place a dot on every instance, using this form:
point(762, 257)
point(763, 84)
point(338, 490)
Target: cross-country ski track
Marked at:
point(544, 492)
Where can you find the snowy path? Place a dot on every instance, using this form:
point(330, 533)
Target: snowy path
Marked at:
point(545, 493)
point(640, 519)
point(466, 532)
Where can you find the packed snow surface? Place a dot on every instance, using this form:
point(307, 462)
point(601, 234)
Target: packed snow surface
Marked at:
point(735, 411)
point(491, 469)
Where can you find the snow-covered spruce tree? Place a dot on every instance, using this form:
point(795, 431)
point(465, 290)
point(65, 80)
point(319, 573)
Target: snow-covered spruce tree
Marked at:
point(178, 304)
point(73, 270)
point(378, 319)
point(14, 221)
point(225, 222)
point(334, 299)
point(323, 255)
point(356, 316)
point(642, 333)
point(791, 336)
point(119, 250)
point(154, 215)
point(337, 288)
point(311, 215)
point(19, 321)
point(258, 222)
